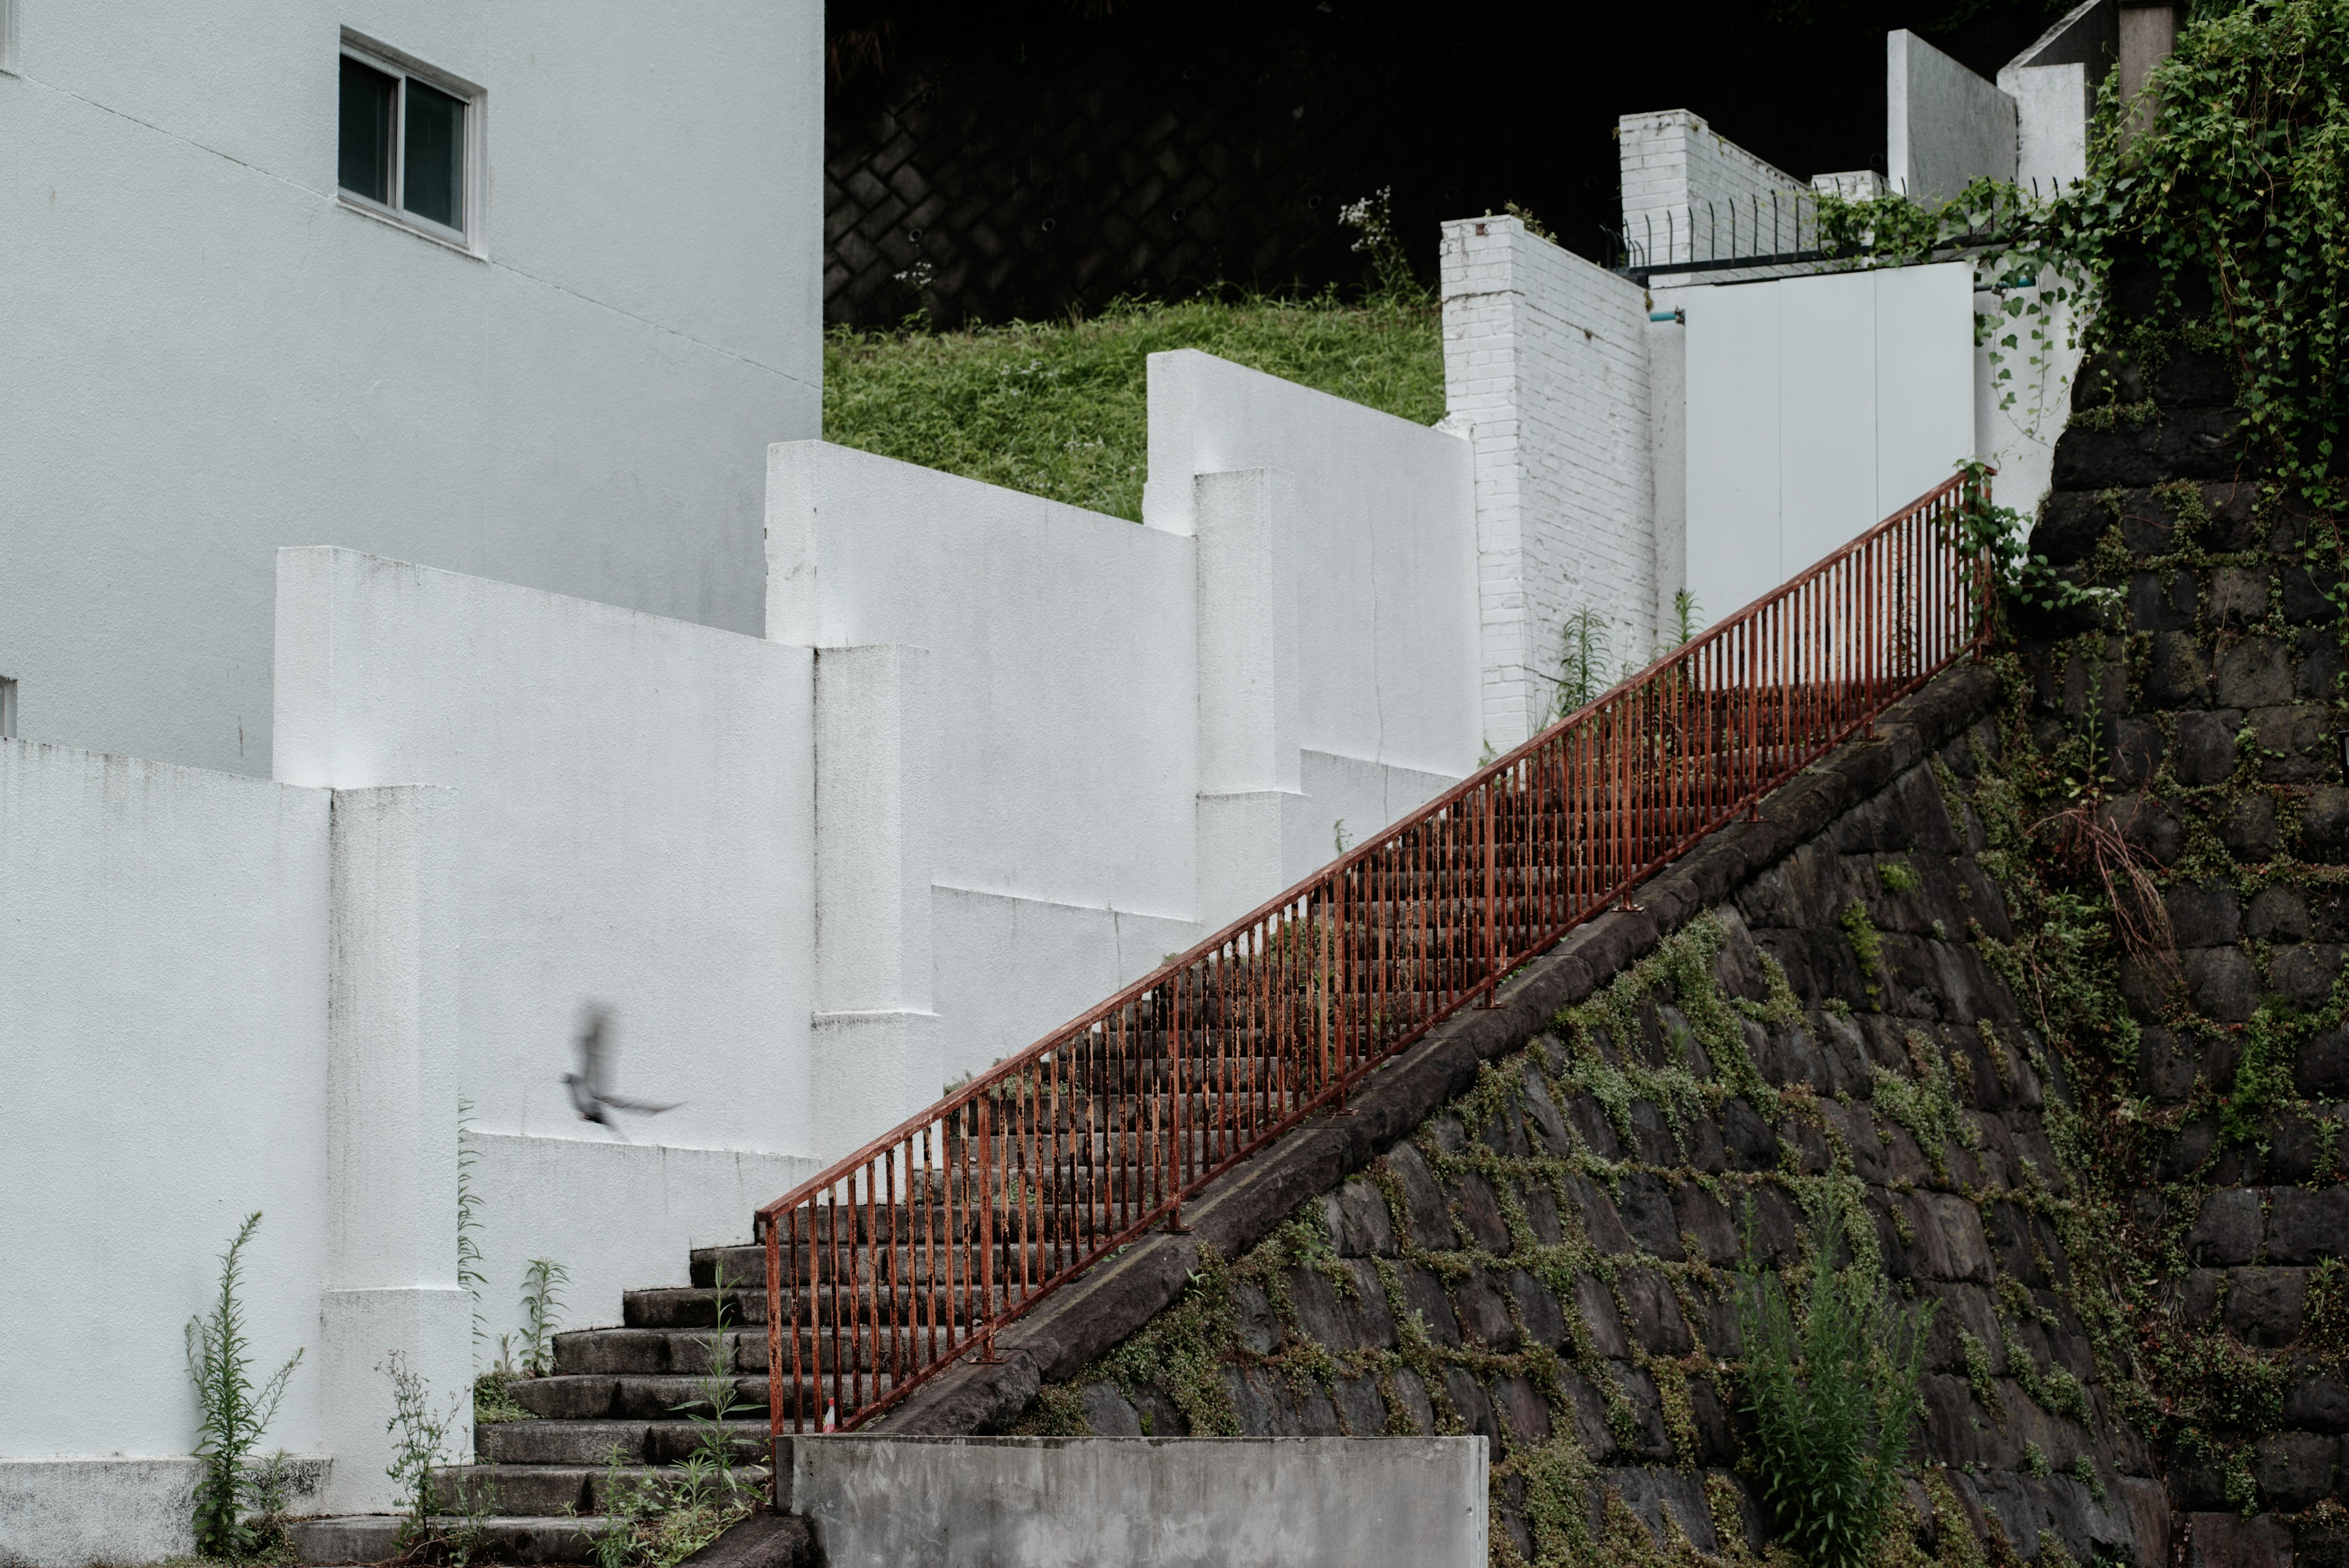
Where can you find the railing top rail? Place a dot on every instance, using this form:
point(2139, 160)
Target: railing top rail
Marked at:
point(1013, 1065)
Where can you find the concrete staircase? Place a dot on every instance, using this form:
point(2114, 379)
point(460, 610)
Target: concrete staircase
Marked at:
point(626, 1394)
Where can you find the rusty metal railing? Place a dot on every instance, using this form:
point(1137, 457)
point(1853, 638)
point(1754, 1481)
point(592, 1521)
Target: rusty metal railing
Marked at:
point(913, 1251)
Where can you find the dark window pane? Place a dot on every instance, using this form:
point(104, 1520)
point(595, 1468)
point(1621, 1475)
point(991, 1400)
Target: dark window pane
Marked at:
point(436, 155)
point(364, 167)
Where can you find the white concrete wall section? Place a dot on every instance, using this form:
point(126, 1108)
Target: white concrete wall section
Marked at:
point(1943, 125)
point(1387, 644)
point(2053, 84)
point(1231, 1502)
point(1546, 370)
point(163, 1038)
point(1817, 406)
point(635, 799)
point(1064, 751)
point(210, 355)
point(1691, 193)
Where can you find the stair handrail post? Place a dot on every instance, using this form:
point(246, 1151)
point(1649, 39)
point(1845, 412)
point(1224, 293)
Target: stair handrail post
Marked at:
point(1492, 904)
point(767, 1228)
point(1176, 1147)
point(987, 1356)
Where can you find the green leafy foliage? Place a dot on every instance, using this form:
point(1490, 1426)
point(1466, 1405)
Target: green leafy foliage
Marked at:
point(1059, 408)
point(1831, 1391)
point(233, 1413)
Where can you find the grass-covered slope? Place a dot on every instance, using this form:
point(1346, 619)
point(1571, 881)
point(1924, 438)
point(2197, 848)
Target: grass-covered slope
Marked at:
point(1059, 408)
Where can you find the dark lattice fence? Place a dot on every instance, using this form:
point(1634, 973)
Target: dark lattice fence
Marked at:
point(1023, 179)
point(1026, 160)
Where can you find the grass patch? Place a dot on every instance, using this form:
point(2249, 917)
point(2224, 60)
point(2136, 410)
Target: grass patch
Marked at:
point(1060, 408)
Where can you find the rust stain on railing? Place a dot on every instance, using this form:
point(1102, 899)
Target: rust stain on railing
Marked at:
point(913, 1251)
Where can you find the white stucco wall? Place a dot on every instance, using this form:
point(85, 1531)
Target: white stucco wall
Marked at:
point(1545, 370)
point(1384, 549)
point(163, 1038)
point(1061, 758)
point(209, 356)
point(1074, 840)
point(635, 829)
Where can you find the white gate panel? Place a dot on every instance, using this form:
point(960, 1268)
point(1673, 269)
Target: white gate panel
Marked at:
point(1816, 407)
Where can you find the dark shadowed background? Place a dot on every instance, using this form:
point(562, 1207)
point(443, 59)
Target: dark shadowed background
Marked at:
point(1033, 157)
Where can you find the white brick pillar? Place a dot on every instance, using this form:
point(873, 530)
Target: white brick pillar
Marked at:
point(1545, 372)
point(391, 1132)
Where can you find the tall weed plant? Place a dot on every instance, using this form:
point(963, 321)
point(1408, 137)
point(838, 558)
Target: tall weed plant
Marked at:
point(1830, 1390)
point(234, 1411)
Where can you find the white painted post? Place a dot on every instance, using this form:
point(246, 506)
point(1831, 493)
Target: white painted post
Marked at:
point(876, 1056)
point(1250, 788)
point(391, 1132)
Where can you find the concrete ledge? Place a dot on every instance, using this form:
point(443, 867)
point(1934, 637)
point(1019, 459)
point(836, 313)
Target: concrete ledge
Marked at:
point(1116, 1298)
point(1140, 1502)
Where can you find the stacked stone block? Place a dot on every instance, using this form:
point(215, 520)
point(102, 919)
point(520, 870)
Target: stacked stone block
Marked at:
point(2212, 676)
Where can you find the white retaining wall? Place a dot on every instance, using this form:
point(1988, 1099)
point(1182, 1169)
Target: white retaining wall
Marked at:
point(633, 830)
point(225, 995)
point(1132, 734)
point(1546, 371)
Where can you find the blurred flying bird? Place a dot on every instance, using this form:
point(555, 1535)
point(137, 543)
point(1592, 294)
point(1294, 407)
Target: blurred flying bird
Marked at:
point(591, 1086)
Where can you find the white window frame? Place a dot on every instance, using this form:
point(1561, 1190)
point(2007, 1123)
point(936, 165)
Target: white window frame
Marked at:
point(402, 66)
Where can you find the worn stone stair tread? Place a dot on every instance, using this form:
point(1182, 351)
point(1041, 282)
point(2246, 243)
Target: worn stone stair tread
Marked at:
point(513, 1538)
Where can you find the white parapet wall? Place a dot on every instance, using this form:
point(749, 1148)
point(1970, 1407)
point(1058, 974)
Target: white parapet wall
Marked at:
point(1142, 1502)
point(1548, 371)
point(1690, 194)
point(633, 816)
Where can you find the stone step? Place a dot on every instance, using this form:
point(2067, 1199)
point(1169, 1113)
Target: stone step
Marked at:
point(541, 1492)
point(655, 1351)
point(375, 1537)
point(556, 1442)
point(644, 1399)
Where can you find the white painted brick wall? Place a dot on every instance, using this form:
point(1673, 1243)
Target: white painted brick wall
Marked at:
point(1546, 370)
point(1688, 191)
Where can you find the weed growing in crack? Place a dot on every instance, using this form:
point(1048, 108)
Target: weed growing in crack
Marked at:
point(1833, 1398)
point(420, 1443)
point(716, 1401)
point(233, 1413)
point(542, 1306)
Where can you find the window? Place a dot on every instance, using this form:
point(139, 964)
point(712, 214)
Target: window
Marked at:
point(408, 144)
